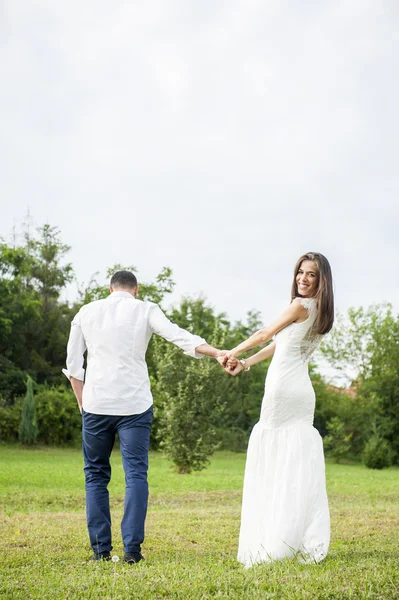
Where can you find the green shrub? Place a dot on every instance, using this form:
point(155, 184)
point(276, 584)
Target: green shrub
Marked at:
point(233, 439)
point(58, 416)
point(10, 417)
point(28, 425)
point(190, 395)
point(337, 443)
point(378, 453)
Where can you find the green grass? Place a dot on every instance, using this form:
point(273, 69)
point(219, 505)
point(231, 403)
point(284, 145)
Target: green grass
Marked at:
point(191, 535)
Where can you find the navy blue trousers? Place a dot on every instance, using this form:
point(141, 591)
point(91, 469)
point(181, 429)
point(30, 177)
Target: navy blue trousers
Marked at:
point(98, 433)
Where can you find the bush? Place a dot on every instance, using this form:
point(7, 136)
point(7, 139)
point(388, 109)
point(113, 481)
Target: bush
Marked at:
point(337, 443)
point(378, 453)
point(234, 439)
point(57, 414)
point(28, 425)
point(10, 417)
point(58, 417)
point(189, 393)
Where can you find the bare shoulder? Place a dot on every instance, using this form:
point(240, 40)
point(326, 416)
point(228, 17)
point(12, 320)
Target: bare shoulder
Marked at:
point(299, 303)
point(300, 308)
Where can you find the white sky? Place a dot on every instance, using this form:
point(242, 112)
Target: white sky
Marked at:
point(221, 138)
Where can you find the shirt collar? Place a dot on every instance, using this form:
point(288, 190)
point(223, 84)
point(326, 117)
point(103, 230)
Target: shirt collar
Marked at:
point(121, 294)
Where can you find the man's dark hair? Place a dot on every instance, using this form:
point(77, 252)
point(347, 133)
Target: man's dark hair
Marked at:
point(123, 279)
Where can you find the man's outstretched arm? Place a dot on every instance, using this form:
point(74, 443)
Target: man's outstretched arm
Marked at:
point(208, 350)
point(192, 345)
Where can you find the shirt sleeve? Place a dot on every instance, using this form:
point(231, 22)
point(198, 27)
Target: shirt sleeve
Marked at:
point(171, 332)
point(75, 351)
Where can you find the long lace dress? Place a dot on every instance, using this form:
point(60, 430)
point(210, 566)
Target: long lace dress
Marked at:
point(285, 507)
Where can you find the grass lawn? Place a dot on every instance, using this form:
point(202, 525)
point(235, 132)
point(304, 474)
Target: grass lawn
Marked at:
point(191, 535)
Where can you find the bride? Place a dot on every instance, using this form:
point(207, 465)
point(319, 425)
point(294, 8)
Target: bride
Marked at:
point(285, 507)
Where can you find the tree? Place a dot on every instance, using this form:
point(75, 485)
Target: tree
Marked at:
point(189, 394)
point(199, 318)
point(49, 275)
point(350, 346)
point(34, 323)
point(19, 306)
point(28, 427)
point(12, 381)
point(191, 397)
point(368, 342)
point(48, 272)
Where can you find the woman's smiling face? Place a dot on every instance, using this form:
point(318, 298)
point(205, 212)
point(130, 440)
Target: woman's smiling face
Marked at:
point(307, 279)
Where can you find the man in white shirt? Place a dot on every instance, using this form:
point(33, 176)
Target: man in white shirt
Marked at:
point(116, 398)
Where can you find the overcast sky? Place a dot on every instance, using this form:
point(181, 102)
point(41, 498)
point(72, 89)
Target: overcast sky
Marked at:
point(222, 139)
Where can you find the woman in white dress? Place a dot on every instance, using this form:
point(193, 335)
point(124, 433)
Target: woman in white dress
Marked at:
point(285, 507)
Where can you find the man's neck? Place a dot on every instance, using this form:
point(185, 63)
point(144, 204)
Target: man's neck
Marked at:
point(121, 291)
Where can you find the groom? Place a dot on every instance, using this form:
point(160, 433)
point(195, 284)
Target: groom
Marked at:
point(116, 398)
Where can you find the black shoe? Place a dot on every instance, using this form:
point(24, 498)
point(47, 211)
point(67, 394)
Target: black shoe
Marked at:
point(132, 557)
point(101, 556)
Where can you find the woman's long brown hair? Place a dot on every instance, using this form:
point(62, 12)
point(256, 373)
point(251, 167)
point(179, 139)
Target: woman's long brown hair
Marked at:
point(324, 294)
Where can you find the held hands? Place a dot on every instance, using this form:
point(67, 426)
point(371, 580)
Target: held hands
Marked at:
point(222, 357)
point(230, 363)
point(234, 366)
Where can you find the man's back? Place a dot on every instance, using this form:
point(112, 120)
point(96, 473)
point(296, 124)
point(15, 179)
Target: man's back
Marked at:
point(116, 331)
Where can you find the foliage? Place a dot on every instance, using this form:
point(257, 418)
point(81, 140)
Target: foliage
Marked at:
point(35, 324)
point(378, 453)
point(330, 401)
point(191, 404)
point(338, 442)
point(12, 380)
point(58, 416)
point(28, 426)
point(196, 316)
point(10, 418)
point(233, 439)
point(47, 253)
point(348, 347)
point(368, 342)
point(19, 310)
point(355, 411)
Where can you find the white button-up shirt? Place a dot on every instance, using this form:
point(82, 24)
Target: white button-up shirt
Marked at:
point(115, 332)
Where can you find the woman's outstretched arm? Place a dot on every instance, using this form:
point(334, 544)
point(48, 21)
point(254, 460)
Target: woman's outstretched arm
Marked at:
point(261, 355)
point(295, 312)
point(234, 366)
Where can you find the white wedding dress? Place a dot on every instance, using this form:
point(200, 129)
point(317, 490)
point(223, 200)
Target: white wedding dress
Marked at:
point(285, 507)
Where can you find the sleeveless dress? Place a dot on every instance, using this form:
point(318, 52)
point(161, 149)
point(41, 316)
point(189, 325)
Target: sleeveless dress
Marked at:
point(285, 507)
